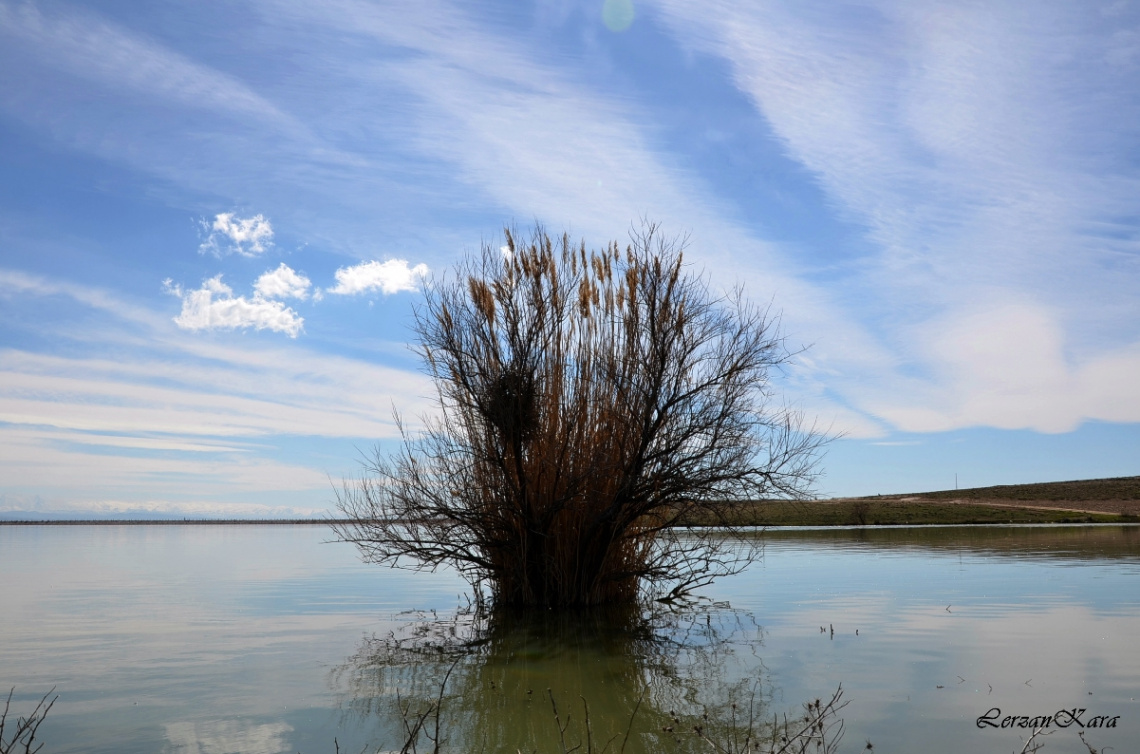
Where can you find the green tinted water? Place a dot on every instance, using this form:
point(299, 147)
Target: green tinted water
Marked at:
point(265, 639)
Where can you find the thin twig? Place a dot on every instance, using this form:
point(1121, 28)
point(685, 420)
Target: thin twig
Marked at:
point(26, 727)
point(629, 726)
point(1031, 744)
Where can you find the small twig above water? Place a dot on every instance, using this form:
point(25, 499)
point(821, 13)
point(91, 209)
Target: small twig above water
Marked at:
point(23, 736)
point(1032, 744)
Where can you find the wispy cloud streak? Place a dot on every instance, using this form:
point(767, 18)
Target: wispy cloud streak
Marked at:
point(529, 137)
point(95, 49)
point(171, 406)
point(974, 143)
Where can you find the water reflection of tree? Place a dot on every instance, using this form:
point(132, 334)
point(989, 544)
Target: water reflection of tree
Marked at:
point(622, 673)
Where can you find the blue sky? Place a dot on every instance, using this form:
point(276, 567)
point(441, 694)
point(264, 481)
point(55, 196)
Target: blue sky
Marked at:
point(214, 216)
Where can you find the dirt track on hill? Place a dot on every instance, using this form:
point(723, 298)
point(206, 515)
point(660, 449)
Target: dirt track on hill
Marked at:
point(1122, 507)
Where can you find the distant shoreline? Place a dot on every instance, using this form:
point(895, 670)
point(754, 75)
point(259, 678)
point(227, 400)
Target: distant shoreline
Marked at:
point(1114, 500)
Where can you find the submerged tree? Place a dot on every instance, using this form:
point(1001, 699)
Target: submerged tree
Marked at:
point(590, 401)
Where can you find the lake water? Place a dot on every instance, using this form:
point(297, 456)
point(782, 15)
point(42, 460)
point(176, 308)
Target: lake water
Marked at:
point(266, 639)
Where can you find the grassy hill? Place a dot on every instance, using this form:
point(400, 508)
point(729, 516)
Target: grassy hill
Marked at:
point(1084, 501)
point(1119, 489)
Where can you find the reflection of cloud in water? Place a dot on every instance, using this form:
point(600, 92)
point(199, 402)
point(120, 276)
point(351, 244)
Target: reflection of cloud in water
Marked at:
point(227, 736)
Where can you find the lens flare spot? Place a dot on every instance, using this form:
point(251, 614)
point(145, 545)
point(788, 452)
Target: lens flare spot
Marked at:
point(617, 15)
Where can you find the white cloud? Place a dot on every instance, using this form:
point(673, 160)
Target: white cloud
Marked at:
point(388, 277)
point(43, 459)
point(217, 392)
point(196, 387)
point(971, 141)
point(1006, 364)
point(980, 146)
point(229, 234)
point(176, 418)
point(87, 46)
point(282, 283)
point(214, 307)
point(145, 101)
point(14, 282)
point(473, 96)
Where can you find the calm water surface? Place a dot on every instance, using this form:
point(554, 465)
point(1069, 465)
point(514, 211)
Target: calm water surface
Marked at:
point(267, 639)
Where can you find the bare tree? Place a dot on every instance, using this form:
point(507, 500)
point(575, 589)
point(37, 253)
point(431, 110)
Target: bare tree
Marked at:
point(589, 403)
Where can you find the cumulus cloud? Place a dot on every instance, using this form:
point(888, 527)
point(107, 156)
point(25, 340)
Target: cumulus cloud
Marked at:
point(214, 307)
point(388, 277)
point(230, 234)
point(282, 283)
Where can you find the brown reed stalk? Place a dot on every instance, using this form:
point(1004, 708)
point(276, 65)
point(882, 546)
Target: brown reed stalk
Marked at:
point(588, 402)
